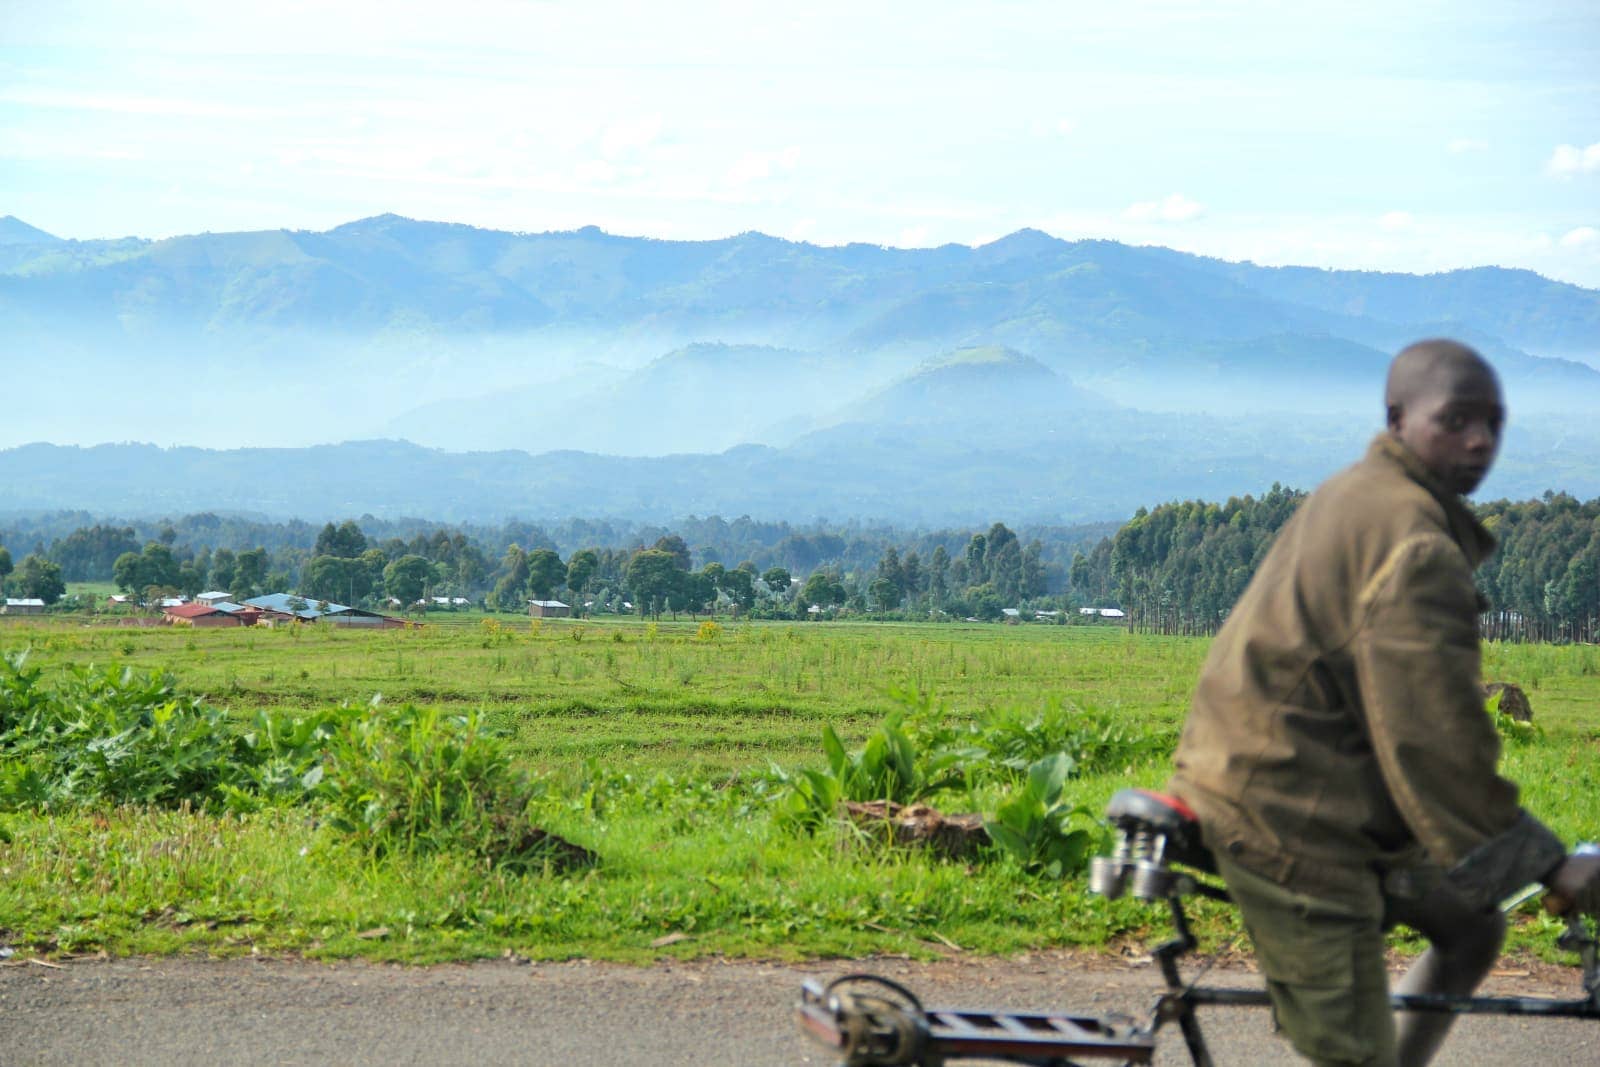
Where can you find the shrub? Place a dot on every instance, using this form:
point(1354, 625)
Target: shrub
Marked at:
point(111, 736)
point(418, 781)
point(409, 781)
point(1004, 744)
point(1034, 825)
point(888, 767)
point(808, 800)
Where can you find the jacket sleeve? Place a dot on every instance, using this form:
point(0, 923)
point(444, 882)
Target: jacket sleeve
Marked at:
point(1417, 664)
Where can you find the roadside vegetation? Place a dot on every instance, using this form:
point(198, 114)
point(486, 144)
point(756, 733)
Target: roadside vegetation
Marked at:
point(620, 789)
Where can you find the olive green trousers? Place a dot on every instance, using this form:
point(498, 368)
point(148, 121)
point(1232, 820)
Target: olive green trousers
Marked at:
point(1324, 966)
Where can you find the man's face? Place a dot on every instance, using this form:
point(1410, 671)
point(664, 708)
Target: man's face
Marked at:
point(1454, 427)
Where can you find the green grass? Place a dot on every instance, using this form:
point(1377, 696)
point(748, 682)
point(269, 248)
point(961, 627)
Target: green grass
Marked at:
point(651, 747)
point(655, 697)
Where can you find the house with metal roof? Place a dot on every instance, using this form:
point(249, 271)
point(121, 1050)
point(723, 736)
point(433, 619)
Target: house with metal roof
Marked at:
point(294, 605)
point(22, 606)
point(303, 609)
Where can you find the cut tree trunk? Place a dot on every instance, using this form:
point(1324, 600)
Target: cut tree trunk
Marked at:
point(1513, 701)
point(955, 836)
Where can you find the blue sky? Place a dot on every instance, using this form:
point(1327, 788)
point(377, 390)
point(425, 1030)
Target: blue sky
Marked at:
point(1412, 136)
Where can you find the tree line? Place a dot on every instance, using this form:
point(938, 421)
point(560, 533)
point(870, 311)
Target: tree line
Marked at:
point(86, 545)
point(956, 573)
point(1175, 568)
point(1180, 567)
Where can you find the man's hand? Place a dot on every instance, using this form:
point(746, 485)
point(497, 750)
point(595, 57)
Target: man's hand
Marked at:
point(1575, 886)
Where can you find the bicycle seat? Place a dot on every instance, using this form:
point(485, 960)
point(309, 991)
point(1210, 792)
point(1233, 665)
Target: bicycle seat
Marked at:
point(1141, 812)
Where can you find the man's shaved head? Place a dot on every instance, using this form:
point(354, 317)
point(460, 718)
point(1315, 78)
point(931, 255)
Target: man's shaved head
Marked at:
point(1444, 404)
point(1431, 365)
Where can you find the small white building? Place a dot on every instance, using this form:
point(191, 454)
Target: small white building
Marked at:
point(213, 598)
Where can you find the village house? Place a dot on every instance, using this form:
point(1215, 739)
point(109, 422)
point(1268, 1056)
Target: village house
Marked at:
point(303, 609)
point(246, 616)
point(548, 609)
point(22, 606)
point(201, 616)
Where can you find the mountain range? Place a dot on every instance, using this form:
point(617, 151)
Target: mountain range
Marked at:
point(583, 372)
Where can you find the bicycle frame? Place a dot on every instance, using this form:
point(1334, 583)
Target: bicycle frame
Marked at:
point(869, 1030)
point(1179, 1002)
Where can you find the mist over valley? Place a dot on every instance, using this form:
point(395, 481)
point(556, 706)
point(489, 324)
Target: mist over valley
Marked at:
point(396, 367)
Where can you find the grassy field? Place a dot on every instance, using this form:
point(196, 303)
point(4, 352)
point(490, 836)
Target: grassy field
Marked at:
point(653, 696)
point(653, 745)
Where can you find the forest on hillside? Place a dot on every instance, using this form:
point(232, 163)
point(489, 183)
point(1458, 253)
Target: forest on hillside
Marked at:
point(1180, 567)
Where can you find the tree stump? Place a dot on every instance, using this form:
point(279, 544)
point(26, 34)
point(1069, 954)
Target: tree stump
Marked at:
point(530, 846)
point(1513, 701)
point(954, 836)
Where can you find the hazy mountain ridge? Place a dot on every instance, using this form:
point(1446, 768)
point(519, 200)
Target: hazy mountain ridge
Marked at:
point(856, 364)
point(985, 385)
point(13, 231)
point(1078, 467)
point(388, 270)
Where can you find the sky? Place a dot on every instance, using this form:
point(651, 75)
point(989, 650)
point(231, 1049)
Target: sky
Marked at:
point(1420, 136)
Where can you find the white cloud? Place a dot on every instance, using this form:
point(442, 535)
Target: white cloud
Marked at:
point(1568, 160)
point(130, 104)
point(1462, 145)
point(914, 237)
point(1174, 208)
point(634, 135)
point(1066, 126)
point(595, 171)
point(755, 166)
point(1396, 220)
point(1582, 237)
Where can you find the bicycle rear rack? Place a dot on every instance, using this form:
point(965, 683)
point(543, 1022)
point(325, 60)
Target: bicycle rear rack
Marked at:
point(866, 1027)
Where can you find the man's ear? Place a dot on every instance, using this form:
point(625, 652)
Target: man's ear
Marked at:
point(1393, 416)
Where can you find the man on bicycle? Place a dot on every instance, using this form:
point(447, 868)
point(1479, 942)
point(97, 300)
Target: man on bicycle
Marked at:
point(1337, 750)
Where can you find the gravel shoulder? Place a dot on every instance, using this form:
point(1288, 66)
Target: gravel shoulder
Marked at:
point(290, 1011)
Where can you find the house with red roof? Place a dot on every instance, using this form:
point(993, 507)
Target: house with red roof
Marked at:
point(199, 615)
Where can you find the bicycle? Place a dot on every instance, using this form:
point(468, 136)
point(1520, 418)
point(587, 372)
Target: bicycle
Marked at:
point(871, 1021)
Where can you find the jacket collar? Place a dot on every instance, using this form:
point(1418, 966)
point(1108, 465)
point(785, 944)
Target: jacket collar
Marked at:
point(1469, 533)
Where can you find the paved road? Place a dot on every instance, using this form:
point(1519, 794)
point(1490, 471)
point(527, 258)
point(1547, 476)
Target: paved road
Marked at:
point(703, 1013)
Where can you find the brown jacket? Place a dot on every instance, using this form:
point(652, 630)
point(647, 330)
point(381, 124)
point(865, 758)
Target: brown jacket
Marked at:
point(1338, 730)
